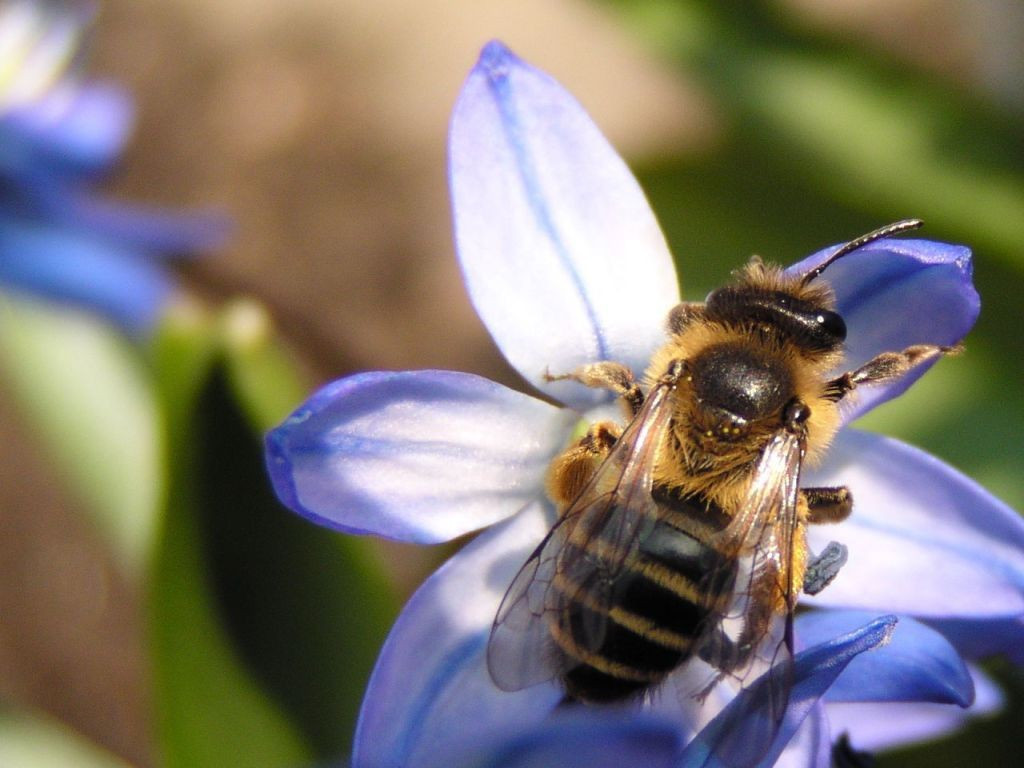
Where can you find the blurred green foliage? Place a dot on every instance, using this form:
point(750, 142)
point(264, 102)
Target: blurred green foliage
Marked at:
point(88, 396)
point(37, 741)
point(263, 628)
point(283, 619)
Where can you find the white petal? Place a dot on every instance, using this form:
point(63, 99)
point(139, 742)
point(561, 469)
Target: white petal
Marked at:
point(561, 253)
point(420, 456)
point(923, 539)
point(430, 698)
point(811, 746)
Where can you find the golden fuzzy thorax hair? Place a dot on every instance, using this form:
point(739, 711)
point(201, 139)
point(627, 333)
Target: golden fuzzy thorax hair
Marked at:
point(718, 466)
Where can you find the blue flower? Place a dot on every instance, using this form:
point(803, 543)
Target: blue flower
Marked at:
point(58, 134)
point(566, 265)
point(577, 740)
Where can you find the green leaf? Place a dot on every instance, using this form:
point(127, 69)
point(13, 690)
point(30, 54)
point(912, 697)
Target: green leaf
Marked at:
point(308, 607)
point(36, 741)
point(86, 391)
point(210, 710)
point(262, 373)
point(284, 619)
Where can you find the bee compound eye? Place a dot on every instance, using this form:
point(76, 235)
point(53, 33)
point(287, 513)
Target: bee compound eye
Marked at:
point(831, 324)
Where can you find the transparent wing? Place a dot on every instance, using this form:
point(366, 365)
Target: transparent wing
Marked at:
point(580, 557)
point(754, 643)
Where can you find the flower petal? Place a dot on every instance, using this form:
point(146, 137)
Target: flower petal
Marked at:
point(735, 735)
point(38, 42)
point(431, 697)
point(74, 268)
point(917, 664)
point(76, 129)
point(811, 746)
point(894, 293)
point(157, 231)
point(884, 726)
point(923, 539)
point(561, 253)
point(980, 638)
point(586, 739)
point(421, 456)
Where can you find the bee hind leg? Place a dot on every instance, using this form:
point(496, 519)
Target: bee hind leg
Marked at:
point(885, 367)
point(607, 375)
point(827, 505)
point(570, 472)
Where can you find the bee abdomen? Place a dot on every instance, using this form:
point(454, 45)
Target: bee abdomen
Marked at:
point(628, 633)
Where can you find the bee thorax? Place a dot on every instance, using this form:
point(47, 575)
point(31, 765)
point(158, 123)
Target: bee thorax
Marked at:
point(734, 386)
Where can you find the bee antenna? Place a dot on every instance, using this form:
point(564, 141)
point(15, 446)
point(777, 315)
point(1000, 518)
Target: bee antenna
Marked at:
point(896, 228)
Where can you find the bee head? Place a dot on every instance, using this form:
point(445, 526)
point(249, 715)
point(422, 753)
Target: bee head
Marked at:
point(798, 308)
point(809, 321)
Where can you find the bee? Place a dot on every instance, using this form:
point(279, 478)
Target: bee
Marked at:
point(683, 535)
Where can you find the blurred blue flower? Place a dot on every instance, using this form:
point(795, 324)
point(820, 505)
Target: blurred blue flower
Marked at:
point(566, 265)
point(58, 134)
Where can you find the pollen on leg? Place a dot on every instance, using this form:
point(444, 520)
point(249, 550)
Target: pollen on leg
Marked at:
point(570, 472)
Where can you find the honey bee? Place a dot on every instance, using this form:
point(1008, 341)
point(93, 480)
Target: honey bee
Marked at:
point(682, 536)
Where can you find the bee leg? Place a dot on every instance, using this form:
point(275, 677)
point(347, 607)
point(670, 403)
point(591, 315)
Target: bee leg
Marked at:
point(823, 569)
point(682, 315)
point(884, 367)
point(569, 474)
point(827, 505)
point(607, 375)
point(845, 756)
point(720, 652)
point(728, 654)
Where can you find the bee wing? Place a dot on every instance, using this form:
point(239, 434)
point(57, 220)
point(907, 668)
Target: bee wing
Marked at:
point(762, 535)
point(579, 558)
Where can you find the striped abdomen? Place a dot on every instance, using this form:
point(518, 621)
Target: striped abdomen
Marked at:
point(659, 605)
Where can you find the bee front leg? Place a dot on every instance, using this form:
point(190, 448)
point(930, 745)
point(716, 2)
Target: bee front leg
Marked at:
point(885, 367)
point(607, 375)
point(570, 472)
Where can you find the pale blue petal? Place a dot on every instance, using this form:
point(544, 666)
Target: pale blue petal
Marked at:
point(875, 727)
point(421, 456)
point(590, 738)
point(735, 730)
point(917, 664)
point(430, 698)
point(923, 539)
point(811, 746)
point(894, 293)
point(560, 251)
